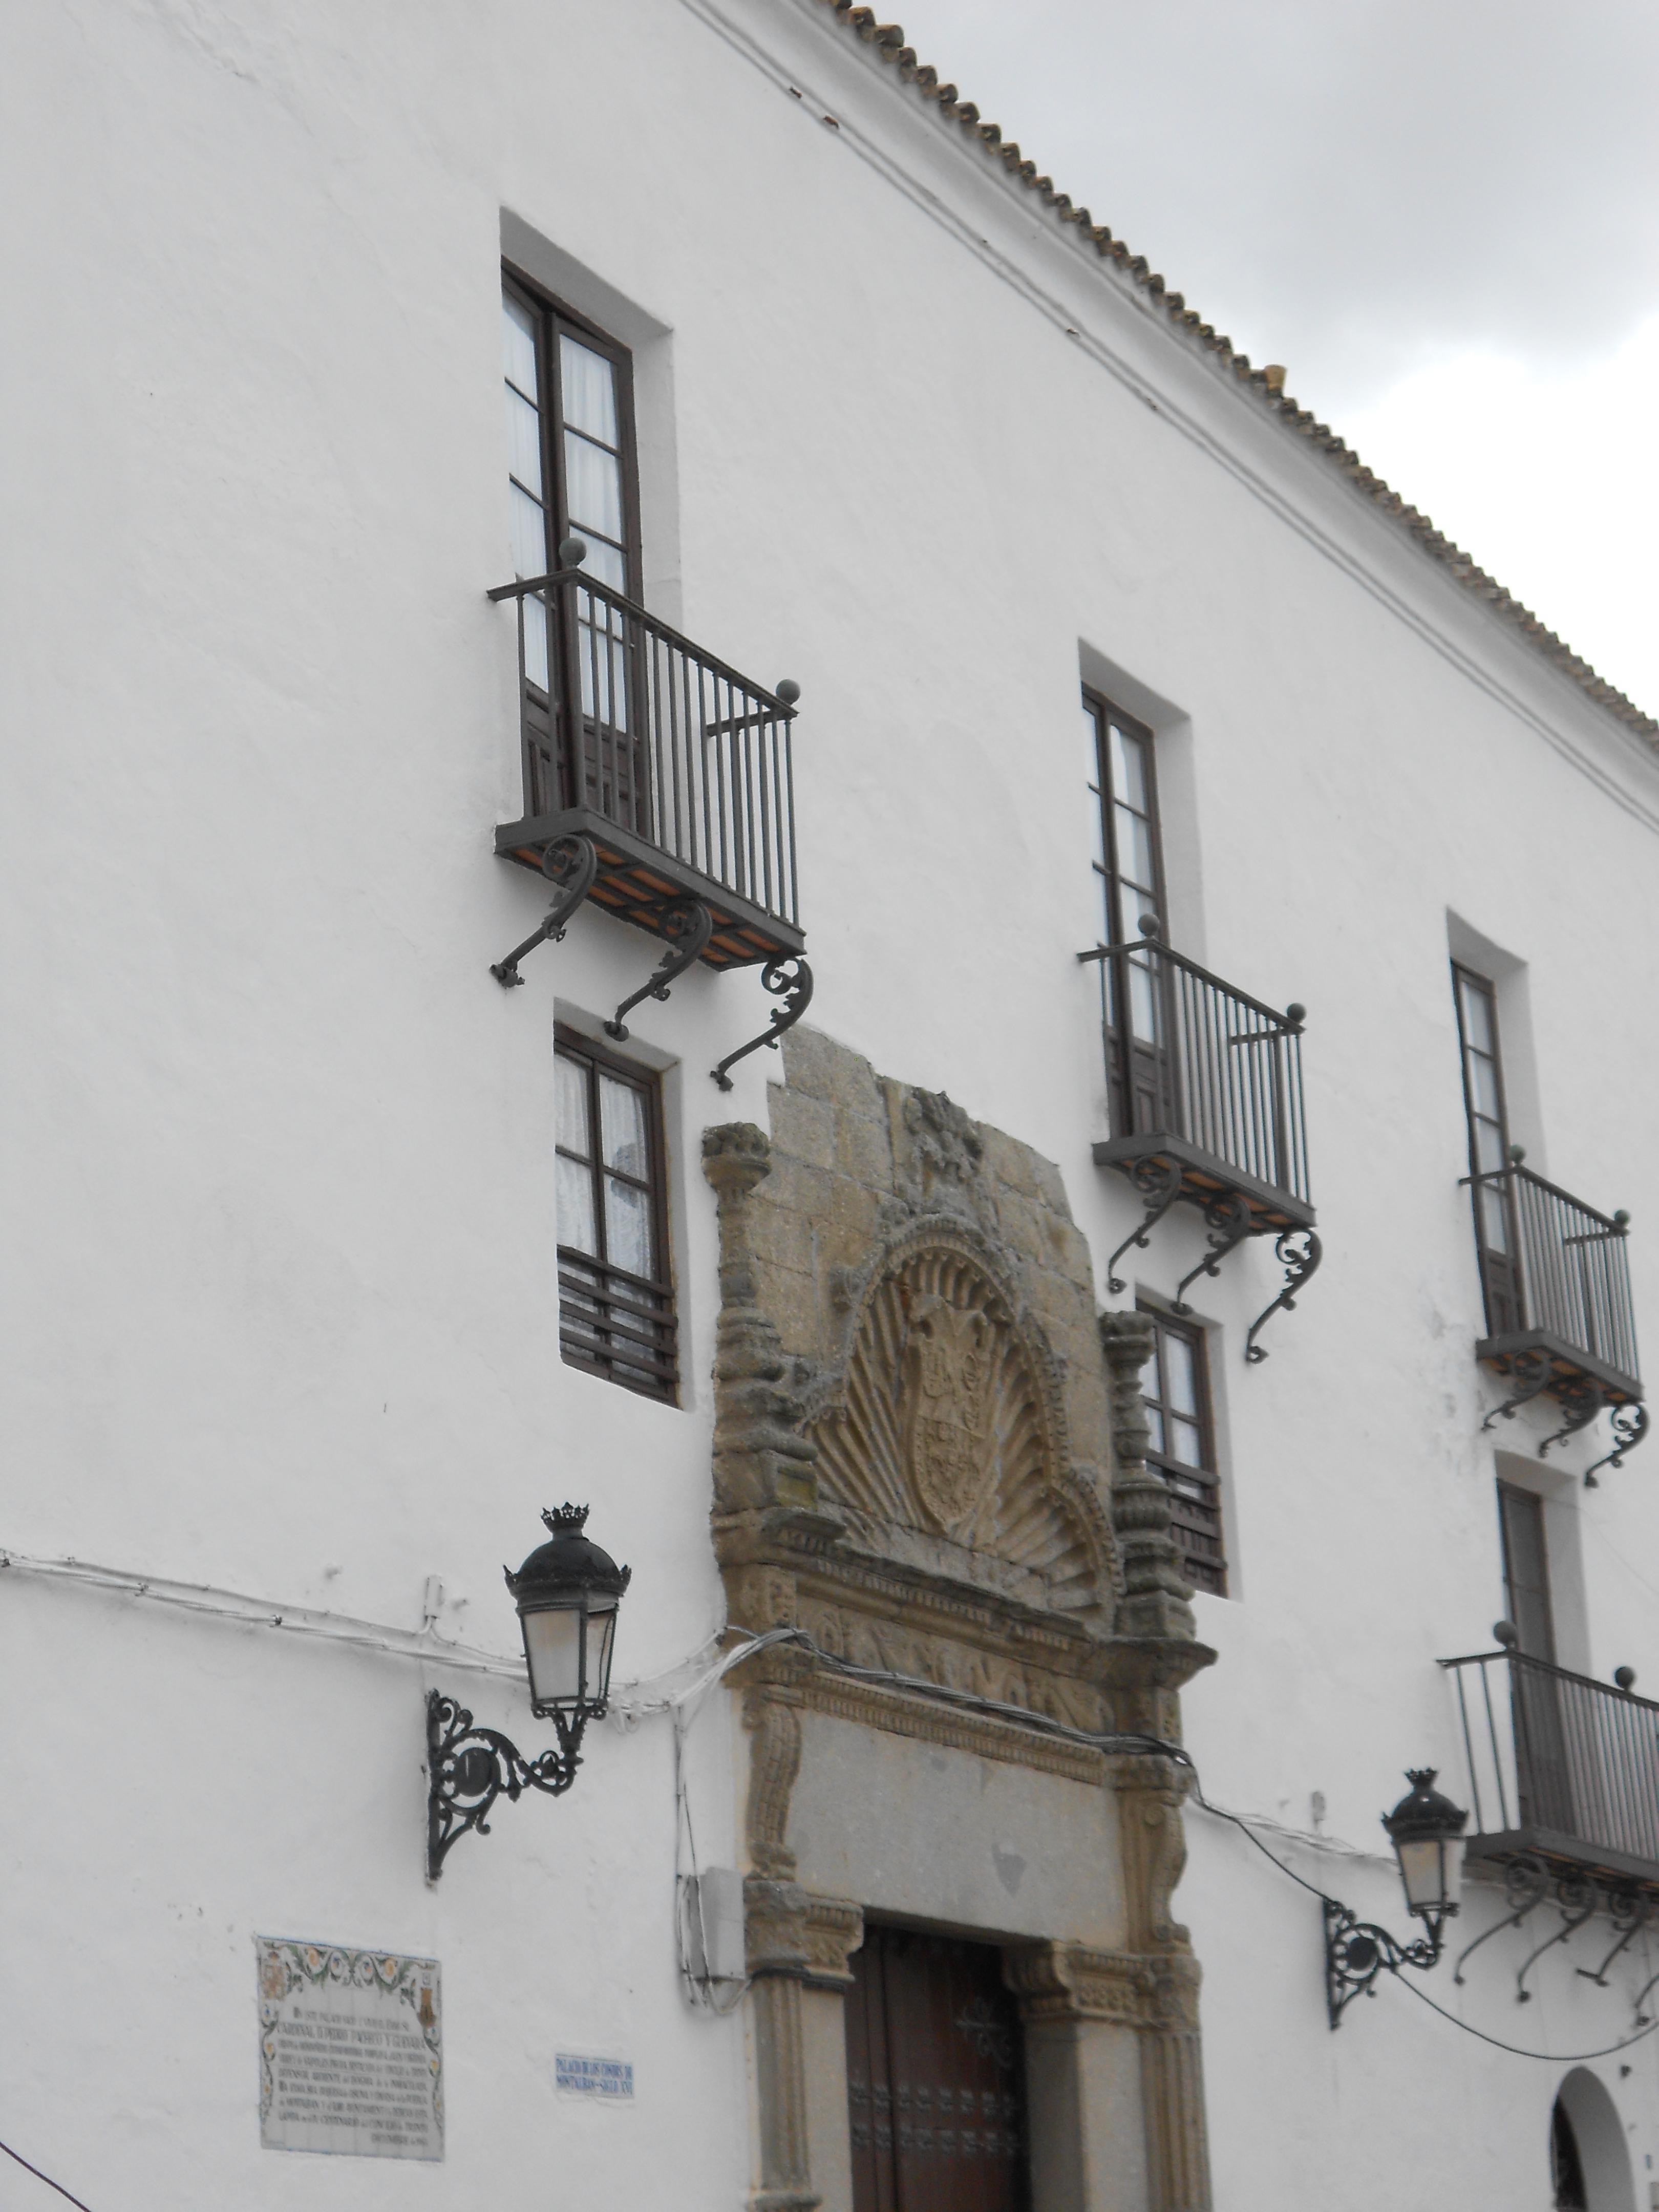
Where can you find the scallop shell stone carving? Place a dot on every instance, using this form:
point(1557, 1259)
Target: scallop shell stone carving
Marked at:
point(943, 1452)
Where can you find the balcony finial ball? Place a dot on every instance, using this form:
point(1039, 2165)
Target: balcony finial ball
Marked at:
point(788, 689)
point(1149, 924)
point(1507, 1634)
point(1296, 1012)
point(1517, 1153)
point(1621, 1219)
point(573, 552)
point(1624, 1677)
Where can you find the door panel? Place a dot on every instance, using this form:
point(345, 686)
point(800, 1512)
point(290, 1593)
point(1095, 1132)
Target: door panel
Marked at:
point(935, 2077)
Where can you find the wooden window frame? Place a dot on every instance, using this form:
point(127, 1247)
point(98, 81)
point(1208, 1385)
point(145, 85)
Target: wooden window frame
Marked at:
point(1203, 1572)
point(1101, 711)
point(606, 1312)
point(1500, 1270)
point(553, 316)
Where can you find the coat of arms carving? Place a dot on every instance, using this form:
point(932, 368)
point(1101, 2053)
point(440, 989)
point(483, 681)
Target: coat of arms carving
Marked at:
point(945, 1380)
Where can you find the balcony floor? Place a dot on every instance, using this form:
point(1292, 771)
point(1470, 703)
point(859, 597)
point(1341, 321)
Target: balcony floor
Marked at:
point(1206, 1176)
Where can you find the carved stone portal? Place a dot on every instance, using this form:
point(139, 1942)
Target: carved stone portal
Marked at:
point(929, 1455)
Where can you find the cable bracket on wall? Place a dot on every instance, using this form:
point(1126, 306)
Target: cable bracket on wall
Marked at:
point(687, 926)
point(571, 863)
point(796, 990)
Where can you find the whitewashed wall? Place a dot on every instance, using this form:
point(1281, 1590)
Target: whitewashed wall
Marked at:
point(281, 1303)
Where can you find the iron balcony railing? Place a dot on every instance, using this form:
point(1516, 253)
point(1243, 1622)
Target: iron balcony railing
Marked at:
point(683, 768)
point(1554, 1269)
point(1197, 1067)
point(1558, 1764)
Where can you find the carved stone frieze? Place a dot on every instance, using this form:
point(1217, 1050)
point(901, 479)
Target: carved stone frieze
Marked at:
point(1150, 1991)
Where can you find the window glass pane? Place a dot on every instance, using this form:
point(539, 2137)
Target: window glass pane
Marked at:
point(1184, 1443)
point(1494, 1220)
point(570, 1079)
point(524, 442)
point(1129, 770)
point(1180, 1381)
point(1488, 1145)
point(587, 389)
point(1132, 903)
point(1143, 1004)
point(1134, 849)
point(529, 535)
point(622, 1123)
point(593, 487)
point(1477, 1016)
point(628, 1227)
point(518, 335)
point(1155, 1424)
point(535, 642)
point(575, 1203)
point(607, 563)
point(1483, 1086)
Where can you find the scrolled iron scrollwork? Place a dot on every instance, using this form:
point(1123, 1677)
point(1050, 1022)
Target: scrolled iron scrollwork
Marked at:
point(1299, 1251)
point(571, 864)
point(1630, 1425)
point(468, 1768)
point(1357, 1951)
point(1630, 1911)
point(1159, 1182)
point(1526, 1885)
point(1227, 1222)
point(1533, 1371)
point(686, 924)
point(789, 977)
point(1578, 1898)
point(1581, 1401)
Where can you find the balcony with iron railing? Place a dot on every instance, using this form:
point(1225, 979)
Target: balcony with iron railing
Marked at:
point(1206, 1107)
point(658, 783)
point(1555, 1281)
point(1560, 1768)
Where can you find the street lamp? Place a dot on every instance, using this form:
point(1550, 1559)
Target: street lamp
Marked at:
point(1426, 1831)
point(567, 1593)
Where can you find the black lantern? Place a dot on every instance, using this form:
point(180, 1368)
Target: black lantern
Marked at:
point(1426, 1831)
point(567, 1593)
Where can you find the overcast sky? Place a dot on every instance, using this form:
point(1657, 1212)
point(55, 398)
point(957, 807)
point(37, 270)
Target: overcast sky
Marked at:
point(1443, 215)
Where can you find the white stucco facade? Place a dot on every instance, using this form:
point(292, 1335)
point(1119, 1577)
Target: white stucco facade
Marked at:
point(278, 1150)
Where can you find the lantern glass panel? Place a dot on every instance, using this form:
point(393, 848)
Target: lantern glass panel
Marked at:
point(601, 1634)
point(1431, 1868)
point(553, 1651)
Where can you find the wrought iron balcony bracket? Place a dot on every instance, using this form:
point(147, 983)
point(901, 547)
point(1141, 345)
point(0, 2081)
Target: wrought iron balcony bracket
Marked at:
point(1299, 1251)
point(796, 990)
point(1159, 1183)
point(1357, 1951)
point(1629, 1425)
point(572, 863)
point(1228, 1221)
point(687, 926)
point(1534, 1371)
point(468, 1768)
point(1581, 1401)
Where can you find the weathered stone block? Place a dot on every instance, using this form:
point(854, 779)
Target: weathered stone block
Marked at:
point(864, 1150)
point(803, 1127)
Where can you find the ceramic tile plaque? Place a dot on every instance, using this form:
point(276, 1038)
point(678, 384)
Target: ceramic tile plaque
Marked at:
point(350, 2051)
point(609, 2081)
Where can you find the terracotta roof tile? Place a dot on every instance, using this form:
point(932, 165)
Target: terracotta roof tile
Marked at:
point(888, 39)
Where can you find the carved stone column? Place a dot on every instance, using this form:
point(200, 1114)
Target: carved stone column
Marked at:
point(1153, 1653)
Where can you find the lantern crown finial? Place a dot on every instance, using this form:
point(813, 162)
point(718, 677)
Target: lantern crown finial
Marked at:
point(569, 1520)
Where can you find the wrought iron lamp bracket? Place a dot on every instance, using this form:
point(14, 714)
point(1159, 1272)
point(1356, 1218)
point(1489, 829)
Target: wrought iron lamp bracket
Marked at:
point(1630, 1423)
point(687, 926)
point(796, 991)
point(1533, 1371)
point(1299, 1253)
point(572, 863)
point(1159, 1183)
point(1357, 1951)
point(1228, 1221)
point(468, 1768)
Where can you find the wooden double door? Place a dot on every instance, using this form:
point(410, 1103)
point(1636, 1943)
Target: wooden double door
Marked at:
point(935, 2077)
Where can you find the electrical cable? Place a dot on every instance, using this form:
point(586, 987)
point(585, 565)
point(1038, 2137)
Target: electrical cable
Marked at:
point(39, 2176)
point(1555, 2058)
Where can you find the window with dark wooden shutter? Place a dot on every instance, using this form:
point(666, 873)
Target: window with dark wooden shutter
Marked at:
point(1496, 1243)
point(1176, 1391)
point(616, 1293)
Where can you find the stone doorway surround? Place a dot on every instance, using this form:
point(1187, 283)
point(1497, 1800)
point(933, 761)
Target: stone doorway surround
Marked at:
point(929, 1453)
